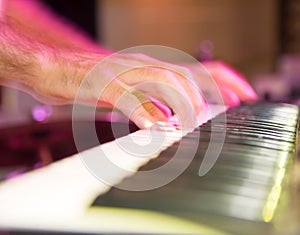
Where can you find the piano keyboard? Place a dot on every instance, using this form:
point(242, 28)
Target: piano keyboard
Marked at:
point(241, 192)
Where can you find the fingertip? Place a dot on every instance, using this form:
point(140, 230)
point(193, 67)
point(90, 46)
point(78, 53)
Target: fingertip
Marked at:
point(147, 124)
point(250, 94)
point(230, 97)
point(146, 115)
point(142, 122)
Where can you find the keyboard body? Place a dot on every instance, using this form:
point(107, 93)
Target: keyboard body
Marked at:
point(238, 182)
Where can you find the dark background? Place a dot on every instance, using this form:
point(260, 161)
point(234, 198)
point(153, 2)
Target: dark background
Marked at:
point(80, 12)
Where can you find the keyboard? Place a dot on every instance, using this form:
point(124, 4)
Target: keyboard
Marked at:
point(235, 183)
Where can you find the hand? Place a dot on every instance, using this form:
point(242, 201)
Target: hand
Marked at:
point(126, 81)
point(130, 82)
point(143, 88)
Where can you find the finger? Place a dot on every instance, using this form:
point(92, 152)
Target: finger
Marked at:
point(165, 109)
point(150, 79)
point(229, 96)
point(226, 76)
point(191, 90)
point(132, 103)
point(177, 100)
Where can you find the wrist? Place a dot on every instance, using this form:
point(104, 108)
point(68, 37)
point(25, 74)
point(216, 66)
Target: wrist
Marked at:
point(62, 72)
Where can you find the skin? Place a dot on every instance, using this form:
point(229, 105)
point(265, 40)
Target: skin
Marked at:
point(51, 59)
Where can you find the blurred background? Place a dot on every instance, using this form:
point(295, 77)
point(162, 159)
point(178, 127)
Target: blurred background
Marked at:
point(242, 33)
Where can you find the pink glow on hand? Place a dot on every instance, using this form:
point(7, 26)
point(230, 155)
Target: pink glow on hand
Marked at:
point(230, 80)
point(166, 110)
point(230, 97)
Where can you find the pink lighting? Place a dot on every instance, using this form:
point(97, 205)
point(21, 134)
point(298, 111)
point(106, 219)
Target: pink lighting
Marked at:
point(41, 113)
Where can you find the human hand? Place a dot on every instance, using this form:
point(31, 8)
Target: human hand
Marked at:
point(130, 83)
point(138, 85)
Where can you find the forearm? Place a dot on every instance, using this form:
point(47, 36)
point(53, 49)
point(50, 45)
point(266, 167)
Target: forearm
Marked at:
point(19, 55)
point(53, 72)
point(44, 25)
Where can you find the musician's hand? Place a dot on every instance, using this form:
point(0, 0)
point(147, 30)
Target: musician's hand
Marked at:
point(128, 82)
point(143, 88)
point(131, 83)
